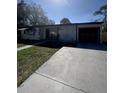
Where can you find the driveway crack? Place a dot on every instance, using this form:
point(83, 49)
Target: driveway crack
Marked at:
point(61, 82)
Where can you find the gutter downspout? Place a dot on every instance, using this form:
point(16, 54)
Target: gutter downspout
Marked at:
point(76, 34)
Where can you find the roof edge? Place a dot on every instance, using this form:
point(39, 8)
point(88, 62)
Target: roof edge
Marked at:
point(63, 24)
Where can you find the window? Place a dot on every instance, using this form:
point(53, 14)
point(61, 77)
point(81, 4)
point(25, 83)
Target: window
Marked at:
point(29, 32)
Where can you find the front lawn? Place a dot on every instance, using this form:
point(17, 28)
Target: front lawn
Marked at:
point(28, 60)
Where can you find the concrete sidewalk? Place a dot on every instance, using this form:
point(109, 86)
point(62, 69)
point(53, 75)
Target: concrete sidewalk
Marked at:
point(29, 46)
point(70, 70)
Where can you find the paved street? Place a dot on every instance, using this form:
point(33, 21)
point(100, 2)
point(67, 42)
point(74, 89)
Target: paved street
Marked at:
point(70, 70)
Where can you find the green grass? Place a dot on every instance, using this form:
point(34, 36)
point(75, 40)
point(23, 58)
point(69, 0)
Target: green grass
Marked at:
point(28, 60)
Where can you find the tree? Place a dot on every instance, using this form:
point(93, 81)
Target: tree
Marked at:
point(36, 15)
point(51, 22)
point(21, 13)
point(65, 21)
point(31, 14)
point(103, 12)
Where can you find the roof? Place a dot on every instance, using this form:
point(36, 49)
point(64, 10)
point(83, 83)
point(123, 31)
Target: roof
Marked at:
point(63, 24)
point(21, 29)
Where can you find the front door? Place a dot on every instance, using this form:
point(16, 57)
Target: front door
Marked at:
point(47, 34)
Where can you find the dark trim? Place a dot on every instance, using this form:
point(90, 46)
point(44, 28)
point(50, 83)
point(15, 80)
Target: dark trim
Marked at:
point(61, 24)
point(76, 35)
point(99, 34)
point(58, 34)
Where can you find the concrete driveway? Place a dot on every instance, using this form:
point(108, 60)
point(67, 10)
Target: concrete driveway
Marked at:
point(70, 70)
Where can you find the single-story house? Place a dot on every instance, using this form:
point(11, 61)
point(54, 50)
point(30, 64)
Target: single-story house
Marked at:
point(75, 32)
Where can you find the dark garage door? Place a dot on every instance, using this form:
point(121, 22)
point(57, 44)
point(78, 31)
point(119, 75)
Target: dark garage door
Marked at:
point(88, 34)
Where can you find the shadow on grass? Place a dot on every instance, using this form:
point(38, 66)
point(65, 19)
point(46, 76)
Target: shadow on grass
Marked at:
point(28, 42)
point(58, 44)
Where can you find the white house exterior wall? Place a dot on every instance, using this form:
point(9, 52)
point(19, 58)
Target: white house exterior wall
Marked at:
point(31, 37)
point(67, 33)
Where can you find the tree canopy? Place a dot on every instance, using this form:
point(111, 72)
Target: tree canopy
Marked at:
point(65, 21)
point(103, 12)
point(31, 14)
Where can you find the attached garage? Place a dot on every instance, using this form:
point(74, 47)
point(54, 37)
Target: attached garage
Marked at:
point(90, 34)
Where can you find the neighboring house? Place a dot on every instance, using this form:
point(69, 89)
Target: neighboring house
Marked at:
point(76, 32)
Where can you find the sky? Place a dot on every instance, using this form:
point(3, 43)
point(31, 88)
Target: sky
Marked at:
point(77, 11)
